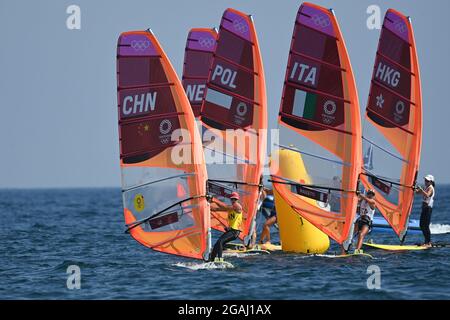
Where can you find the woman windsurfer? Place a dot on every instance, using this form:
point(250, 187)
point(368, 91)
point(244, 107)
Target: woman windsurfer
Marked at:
point(427, 207)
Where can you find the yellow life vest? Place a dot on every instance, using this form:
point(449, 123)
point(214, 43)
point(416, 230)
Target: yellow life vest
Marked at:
point(235, 219)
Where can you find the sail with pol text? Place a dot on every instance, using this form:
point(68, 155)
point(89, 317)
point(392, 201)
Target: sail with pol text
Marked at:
point(392, 132)
point(163, 196)
point(320, 124)
point(234, 119)
point(200, 47)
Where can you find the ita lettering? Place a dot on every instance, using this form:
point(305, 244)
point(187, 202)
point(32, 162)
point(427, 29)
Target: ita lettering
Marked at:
point(303, 73)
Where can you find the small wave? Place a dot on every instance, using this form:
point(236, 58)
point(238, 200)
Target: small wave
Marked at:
point(340, 256)
point(203, 266)
point(439, 228)
point(239, 255)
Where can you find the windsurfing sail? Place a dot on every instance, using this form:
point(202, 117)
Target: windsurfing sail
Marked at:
point(163, 196)
point(319, 120)
point(393, 122)
point(200, 46)
point(234, 119)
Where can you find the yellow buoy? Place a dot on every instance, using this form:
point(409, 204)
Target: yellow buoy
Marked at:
point(296, 233)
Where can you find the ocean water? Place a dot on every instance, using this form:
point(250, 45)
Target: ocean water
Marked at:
point(43, 232)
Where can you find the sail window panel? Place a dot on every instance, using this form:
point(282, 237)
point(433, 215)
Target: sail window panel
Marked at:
point(313, 74)
point(223, 190)
point(395, 48)
point(225, 111)
point(382, 161)
point(315, 44)
point(232, 78)
point(235, 48)
point(140, 71)
point(322, 168)
point(148, 199)
point(314, 108)
point(197, 63)
point(388, 109)
point(133, 176)
point(392, 77)
point(145, 102)
point(148, 136)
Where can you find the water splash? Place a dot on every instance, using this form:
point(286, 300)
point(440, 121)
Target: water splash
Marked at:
point(204, 265)
point(439, 228)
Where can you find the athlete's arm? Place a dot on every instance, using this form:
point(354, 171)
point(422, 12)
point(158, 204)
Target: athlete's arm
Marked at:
point(371, 202)
point(237, 207)
point(428, 192)
point(220, 205)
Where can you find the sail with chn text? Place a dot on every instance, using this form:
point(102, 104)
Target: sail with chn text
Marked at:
point(392, 132)
point(198, 55)
point(319, 122)
point(164, 199)
point(234, 119)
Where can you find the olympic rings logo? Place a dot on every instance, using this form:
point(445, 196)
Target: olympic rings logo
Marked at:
point(241, 109)
point(400, 27)
point(400, 107)
point(329, 107)
point(206, 42)
point(321, 21)
point(240, 26)
point(165, 126)
point(140, 45)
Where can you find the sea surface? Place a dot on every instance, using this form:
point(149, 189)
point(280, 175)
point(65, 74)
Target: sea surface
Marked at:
point(43, 232)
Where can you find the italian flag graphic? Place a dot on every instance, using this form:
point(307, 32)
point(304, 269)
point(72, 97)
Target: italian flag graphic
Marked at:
point(304, 104)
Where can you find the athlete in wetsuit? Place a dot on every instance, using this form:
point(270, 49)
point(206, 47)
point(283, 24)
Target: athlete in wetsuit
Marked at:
point(366, 212)
point(234, 225)
point(427, 208)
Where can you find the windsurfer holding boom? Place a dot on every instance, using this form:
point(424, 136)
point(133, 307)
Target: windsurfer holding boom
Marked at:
point(366, 212)
point(427, 207)
point(234, 224)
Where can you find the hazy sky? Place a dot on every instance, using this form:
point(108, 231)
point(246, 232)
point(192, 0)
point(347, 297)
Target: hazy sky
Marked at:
point(58, 123)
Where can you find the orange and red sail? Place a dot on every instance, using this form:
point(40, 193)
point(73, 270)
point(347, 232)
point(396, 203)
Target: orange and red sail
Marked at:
point(234, 118)
point(319, 120)
point(393, 129)
point(164, 199)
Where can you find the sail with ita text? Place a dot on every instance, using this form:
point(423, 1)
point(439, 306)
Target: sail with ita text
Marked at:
point(319, 122)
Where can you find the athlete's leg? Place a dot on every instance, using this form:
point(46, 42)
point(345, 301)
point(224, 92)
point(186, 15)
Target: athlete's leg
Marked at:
point(227, 237)
point(362, 234)
point(425, 219)
point(266, 229)
point(218, 247)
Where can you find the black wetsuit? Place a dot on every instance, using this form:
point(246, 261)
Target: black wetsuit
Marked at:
point(425, 219)
point(228, 236)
